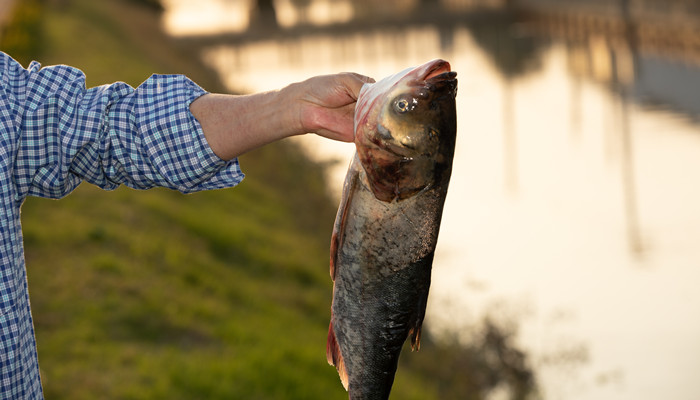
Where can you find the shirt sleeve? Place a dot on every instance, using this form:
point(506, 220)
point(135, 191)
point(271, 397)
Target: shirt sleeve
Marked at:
point(107, 135)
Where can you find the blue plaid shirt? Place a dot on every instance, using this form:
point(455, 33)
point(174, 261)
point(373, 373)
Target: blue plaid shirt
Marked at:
point(54, 134)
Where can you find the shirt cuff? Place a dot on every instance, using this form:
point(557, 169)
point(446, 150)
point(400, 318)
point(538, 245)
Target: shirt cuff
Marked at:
point(184, 159)
point(222, 173)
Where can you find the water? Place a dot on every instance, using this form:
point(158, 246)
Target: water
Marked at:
point(573, 209)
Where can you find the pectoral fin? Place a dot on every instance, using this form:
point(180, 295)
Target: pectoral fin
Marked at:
point(422, 289)
point(340, 218)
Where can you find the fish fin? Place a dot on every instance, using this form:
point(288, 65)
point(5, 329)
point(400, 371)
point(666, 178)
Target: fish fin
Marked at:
point(415, 338)
point(339, 225)
point(334, 357)
point(422, 294)
point(335, 241)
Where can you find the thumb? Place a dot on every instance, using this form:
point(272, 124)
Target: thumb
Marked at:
point(355, 81)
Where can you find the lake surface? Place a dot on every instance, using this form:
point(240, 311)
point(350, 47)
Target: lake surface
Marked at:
point(574, 207)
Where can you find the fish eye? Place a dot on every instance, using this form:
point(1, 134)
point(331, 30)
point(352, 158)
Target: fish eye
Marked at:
point(402, 105)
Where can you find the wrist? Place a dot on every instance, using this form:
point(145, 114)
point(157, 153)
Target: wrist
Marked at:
point(293, 110)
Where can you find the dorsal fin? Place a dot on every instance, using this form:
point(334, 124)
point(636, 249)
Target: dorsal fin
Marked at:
point(334, 356)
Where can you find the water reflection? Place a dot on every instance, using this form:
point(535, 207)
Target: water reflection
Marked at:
point(184, 17)
point(573, 204)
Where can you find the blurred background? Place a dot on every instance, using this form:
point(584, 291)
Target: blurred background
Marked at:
point(568, 261)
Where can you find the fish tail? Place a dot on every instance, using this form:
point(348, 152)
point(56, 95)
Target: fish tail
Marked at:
point(334, 356)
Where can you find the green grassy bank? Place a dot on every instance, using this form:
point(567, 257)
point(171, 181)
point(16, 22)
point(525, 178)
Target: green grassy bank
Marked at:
point(216, 295)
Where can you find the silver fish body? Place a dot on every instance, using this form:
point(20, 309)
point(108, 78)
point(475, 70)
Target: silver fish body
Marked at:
point(387, 225)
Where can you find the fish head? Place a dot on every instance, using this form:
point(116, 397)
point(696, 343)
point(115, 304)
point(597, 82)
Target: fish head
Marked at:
point(405, 129)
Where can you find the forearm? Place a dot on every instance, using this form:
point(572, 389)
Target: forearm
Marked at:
point(234, 125)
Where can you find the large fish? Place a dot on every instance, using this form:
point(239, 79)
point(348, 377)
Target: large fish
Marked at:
point(387, 224)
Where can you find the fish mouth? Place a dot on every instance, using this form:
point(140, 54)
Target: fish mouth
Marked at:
point(437, 69)
point(443, 77)
point(437, 75)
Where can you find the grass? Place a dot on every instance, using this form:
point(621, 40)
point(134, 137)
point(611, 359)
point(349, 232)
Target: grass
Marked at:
point(215, 295)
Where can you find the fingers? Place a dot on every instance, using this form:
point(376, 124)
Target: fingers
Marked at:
point(342, 124)
point(336, 124)
point(354, 82)
point(328, 104)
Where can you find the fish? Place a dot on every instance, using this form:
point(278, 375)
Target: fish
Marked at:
point(387, 224)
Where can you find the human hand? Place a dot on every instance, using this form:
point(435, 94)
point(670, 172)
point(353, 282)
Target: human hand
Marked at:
point(327, 104)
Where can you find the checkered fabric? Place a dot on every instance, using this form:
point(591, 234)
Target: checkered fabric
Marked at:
point(55, 133)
